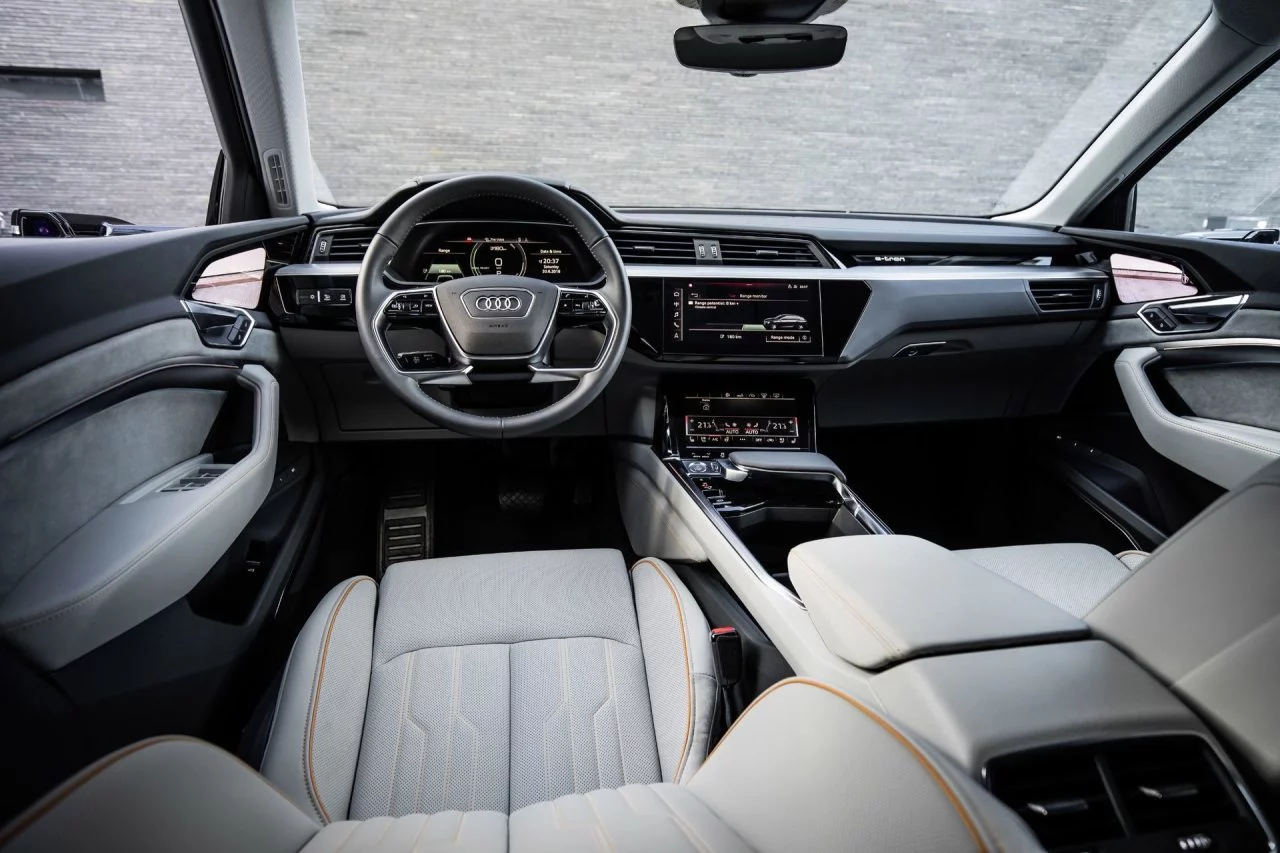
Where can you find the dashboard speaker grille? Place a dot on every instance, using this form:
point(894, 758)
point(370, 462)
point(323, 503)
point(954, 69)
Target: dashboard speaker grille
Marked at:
point(277, 177)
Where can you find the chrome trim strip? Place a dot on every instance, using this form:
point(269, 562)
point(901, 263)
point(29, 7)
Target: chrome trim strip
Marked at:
point(895, 273)
point(1210, 343)
point(341, 268)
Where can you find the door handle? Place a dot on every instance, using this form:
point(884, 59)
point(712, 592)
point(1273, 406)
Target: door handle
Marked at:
point(1189, 315)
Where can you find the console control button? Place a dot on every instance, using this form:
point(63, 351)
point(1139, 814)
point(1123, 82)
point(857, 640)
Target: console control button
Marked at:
point(307, 296)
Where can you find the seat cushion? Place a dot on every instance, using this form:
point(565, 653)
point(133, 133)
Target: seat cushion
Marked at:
point(495, 682)
point(1075, 577)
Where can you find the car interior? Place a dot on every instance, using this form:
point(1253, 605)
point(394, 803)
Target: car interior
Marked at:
point(500, 515)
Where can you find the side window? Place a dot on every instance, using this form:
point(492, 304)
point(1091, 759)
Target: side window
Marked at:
point(1225, 176)
point(104, 119)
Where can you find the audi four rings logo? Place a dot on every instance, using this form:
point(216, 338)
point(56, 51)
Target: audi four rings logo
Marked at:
point(498, 303)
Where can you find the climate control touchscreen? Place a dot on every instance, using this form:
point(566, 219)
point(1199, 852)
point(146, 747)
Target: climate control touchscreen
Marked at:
point(761, 318)
point(742, 419)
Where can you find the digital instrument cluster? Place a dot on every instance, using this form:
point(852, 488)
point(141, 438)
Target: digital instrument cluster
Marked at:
point(445, 251)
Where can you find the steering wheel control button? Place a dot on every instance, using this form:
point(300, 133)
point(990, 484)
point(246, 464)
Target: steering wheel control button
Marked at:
point(421, 361)
point(583, 307)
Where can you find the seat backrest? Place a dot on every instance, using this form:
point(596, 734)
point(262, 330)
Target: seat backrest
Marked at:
point(1203, 613)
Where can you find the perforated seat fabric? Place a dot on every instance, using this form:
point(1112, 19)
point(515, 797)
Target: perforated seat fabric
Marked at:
point(1075, 577)
point(489, 683)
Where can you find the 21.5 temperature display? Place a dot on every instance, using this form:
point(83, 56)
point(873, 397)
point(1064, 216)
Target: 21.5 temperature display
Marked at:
point(742, 431)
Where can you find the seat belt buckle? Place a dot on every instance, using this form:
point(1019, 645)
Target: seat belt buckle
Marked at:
point(726, 650)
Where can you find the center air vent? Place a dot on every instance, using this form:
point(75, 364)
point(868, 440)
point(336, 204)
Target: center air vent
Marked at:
point(1067, 294)
point(671, 248)
point(1168, 792)
point(753, 252)
point(347, 245)
point(658, 248)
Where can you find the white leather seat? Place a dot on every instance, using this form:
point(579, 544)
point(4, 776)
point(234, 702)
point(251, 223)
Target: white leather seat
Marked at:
point(490, 683)
point(1075, 577)
point(805, 768)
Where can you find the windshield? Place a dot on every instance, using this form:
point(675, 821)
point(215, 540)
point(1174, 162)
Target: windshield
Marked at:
point(960, 108)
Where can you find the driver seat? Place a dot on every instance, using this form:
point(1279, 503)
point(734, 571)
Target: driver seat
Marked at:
point(491, 683)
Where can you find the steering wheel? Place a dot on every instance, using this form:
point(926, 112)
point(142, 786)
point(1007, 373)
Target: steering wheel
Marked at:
point(502, 322)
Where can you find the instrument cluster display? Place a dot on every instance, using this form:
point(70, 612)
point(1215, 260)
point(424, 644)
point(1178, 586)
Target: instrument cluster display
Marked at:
point(445, 251)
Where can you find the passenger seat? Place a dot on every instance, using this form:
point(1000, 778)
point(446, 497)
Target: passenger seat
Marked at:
point(1075, 577)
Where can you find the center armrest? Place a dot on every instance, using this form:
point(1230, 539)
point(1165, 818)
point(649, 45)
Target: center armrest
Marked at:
point(880, 600)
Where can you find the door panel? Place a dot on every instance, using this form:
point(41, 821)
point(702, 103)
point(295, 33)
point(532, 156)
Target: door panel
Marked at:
point(151, 513)
point(147, 547)
point(1222, 452)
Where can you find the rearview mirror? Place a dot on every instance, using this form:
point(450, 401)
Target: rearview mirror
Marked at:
point(749, 49)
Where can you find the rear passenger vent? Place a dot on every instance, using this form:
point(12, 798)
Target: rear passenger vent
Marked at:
point(1060, 795)
point(1168, 792)
point(749, 251)
point(1170, 785)
point(1067, 294)
point(347, 245)
point(277, 177)
point(657, 248)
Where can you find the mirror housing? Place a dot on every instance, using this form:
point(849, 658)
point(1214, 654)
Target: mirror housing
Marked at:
point(748, 49)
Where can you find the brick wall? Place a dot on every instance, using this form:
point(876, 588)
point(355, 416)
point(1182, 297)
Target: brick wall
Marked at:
point(147, 153)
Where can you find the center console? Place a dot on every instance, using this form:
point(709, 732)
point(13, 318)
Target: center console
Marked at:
point(747, 447)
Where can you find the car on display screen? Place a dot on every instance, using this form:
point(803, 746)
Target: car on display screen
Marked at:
point(686, 425)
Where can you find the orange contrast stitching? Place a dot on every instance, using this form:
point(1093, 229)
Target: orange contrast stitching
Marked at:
point(919, 756)
point(688, 668)
point(315, 697)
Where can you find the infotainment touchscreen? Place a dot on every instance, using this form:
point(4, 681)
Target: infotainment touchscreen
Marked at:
point(727, 317)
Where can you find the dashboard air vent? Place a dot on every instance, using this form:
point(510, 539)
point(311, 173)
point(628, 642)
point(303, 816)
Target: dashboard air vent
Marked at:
point(347, 245)
point(1059, 794)
point(753, 252)
point(656, 248)
point(1067, 294)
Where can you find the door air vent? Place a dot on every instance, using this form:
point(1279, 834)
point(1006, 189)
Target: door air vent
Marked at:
point(655, 248)
point(1166, 792)
point(346, 245)
point(276, 176)
point(1067, 294)
point(753, 252)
